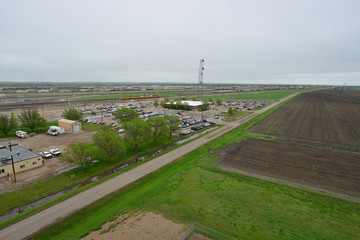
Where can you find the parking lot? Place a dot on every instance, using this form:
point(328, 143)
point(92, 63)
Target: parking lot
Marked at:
point(38, 143)
point(102, 113)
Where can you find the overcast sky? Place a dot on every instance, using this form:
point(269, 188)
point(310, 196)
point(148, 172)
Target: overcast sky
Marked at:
point(253, 41)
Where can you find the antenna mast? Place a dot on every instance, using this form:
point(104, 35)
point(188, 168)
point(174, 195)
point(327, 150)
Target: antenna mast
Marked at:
point(200, 89)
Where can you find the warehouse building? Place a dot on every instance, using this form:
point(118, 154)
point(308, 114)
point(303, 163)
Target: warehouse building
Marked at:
point(70, 126)
point(23, 158)
point(187, 105)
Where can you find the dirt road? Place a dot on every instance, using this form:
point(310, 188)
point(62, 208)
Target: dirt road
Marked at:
point(49, 216)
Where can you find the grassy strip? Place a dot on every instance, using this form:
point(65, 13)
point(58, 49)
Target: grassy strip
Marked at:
point(259, 95)
point(83, 188)
point(192, 189)
point(236, 115)
point(114, 96)
point(91, 127)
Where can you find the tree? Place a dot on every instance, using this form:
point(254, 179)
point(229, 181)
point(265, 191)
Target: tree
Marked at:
point(171, 104)
point(126, 114)
point(72, 114)
point(173, 123)
point(137, 133)
point(109, 143)
point(218, 102)
point(7, 123)
point(206, 105)
point(31, 118)
point(231, 111)
point(158, 127)
point(156, 103)
point(79, 154)
point(186, 106)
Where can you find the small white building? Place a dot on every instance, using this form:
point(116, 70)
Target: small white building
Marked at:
point(187, 104)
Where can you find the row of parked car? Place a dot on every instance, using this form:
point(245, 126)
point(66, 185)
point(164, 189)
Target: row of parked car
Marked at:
point(196, 128)
point(50, 153)
point(187, 123)
point(93, 121)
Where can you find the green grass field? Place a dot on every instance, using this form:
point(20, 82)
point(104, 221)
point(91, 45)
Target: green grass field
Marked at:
point(259, 95)
point(131, 94)
point(194, 189)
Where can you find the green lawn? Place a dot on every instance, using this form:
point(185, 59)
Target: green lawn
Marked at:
point(91, 127)
point(194, 189)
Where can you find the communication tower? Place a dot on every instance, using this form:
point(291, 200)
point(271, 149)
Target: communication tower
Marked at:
point(200, 89)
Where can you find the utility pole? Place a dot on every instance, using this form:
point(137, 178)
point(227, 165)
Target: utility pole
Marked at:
point(200, 89)
point(12, 160)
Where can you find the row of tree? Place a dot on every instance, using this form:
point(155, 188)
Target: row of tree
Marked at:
point(32, 119)
point(112, 146)
point(154, 127)
point(28, 118)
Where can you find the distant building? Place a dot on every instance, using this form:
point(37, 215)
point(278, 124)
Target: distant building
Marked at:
point(24, 159)
point(188, 105)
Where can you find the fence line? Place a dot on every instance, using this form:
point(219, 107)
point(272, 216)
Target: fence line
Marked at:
point(205, 231)
point(188, 232)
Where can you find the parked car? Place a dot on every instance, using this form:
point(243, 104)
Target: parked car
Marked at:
point(21, 134)
point(184, 132)
point(55, 152)
point(121, 130)
point(45, 154)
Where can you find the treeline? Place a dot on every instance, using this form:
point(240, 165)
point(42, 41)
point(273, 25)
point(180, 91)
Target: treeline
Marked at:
point(31, 119)
point(109, 145)
point(28, 118)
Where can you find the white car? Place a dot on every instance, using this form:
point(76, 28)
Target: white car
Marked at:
point(46, 154)
point(121, 130)
point(55, 152)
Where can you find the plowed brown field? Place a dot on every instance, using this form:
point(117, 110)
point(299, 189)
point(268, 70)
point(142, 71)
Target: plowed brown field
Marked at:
point(327, 116)
point(330, 170)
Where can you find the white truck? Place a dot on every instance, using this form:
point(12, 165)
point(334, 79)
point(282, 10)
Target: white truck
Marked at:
point(45, 154)
point(21, 134)
point(55, 152)
point(54, 131)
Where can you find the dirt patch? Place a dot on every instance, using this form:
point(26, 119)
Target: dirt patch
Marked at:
point(143, 225)
point(329, 170)
point(44, 142)
point(198, 236)
point(327, 116)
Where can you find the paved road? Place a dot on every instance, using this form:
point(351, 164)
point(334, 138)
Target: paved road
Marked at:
point(47, 217)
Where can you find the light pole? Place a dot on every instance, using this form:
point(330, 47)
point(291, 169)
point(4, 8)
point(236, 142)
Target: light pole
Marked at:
point(12, 160)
